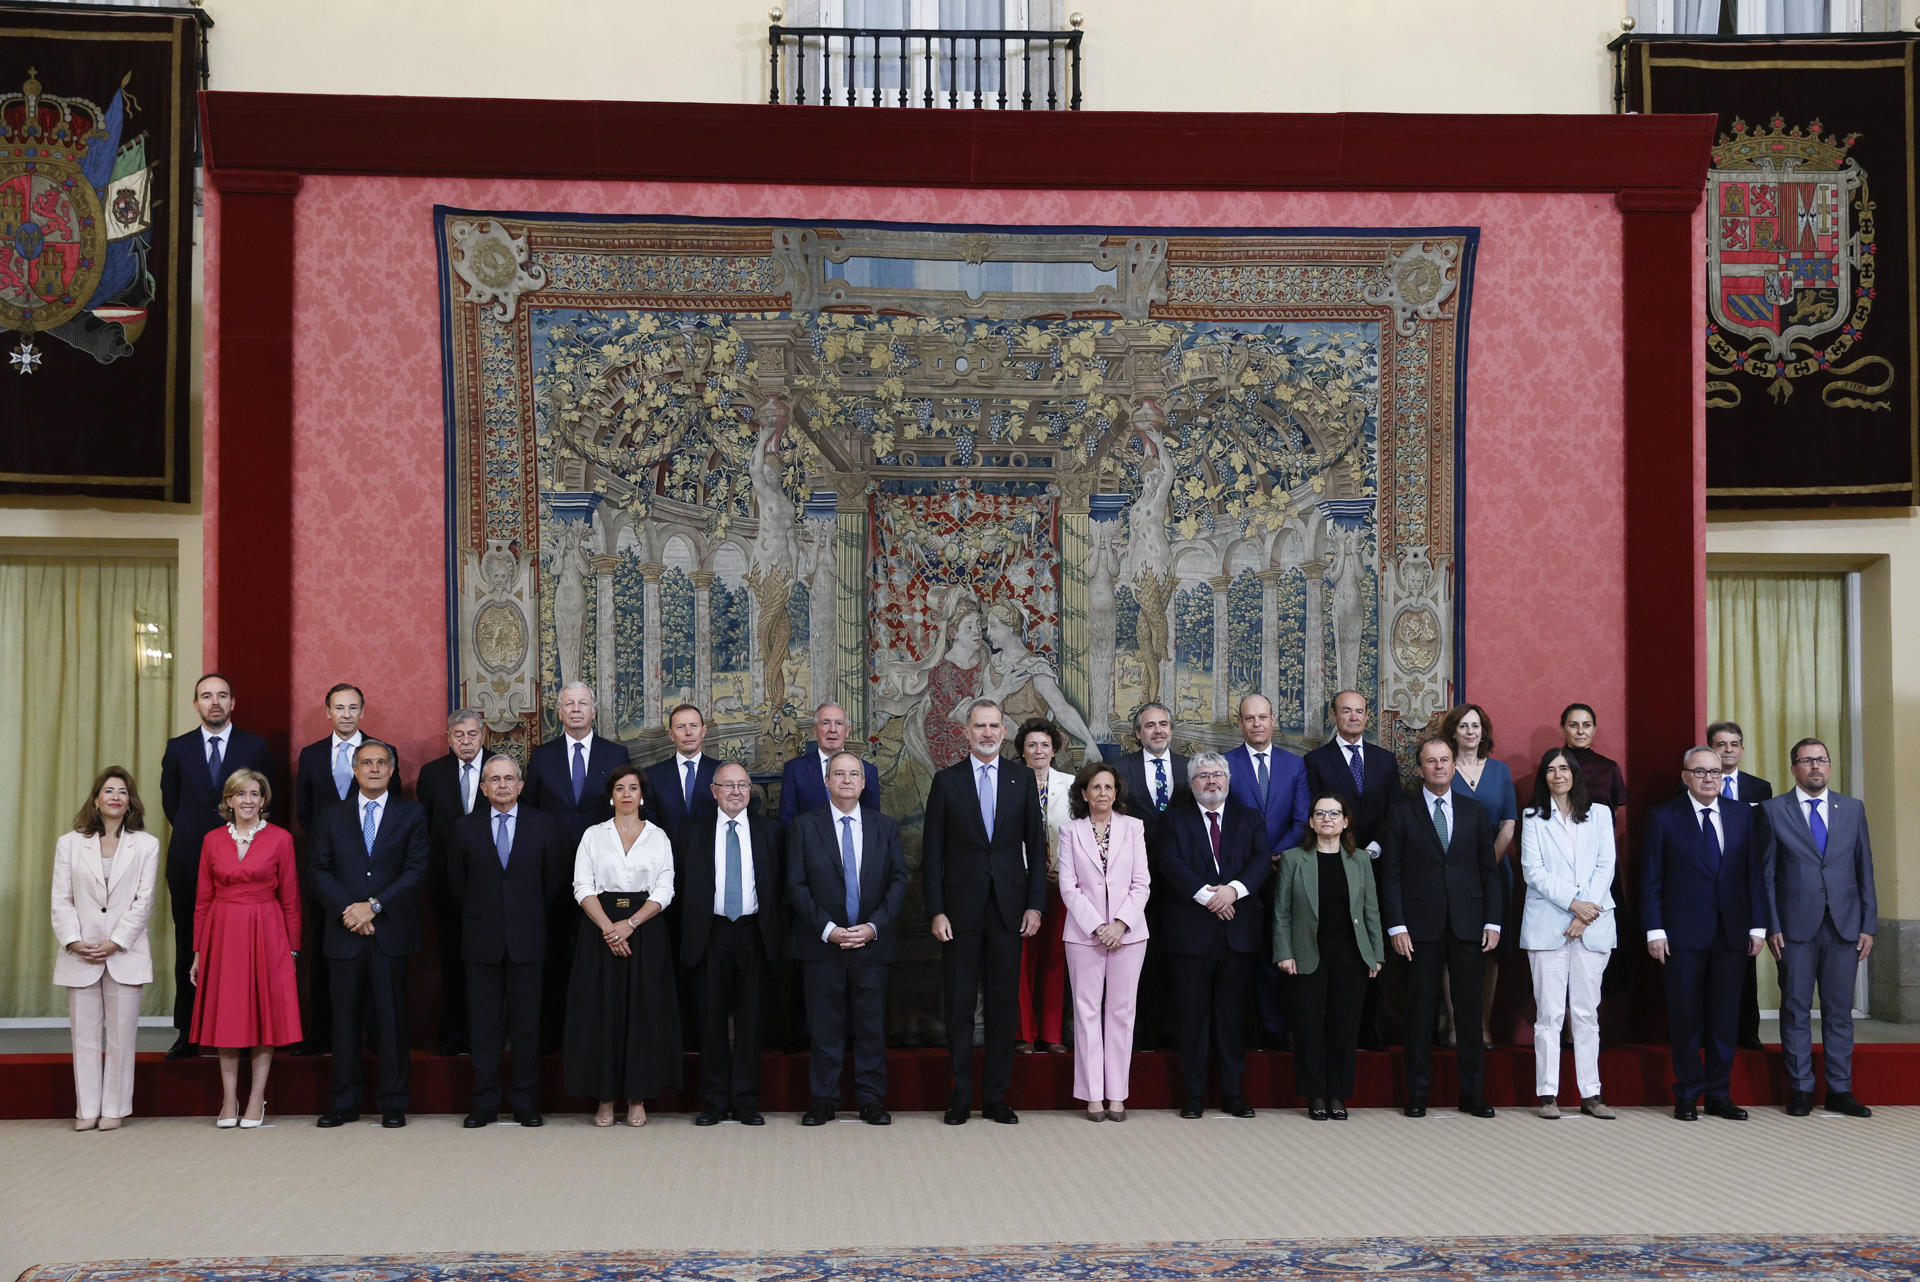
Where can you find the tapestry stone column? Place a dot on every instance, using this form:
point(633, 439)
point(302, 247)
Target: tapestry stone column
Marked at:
point(703, 641)
point(650, 573)
point(823, 589)
point(1314, 658)
point(1076, 549)
point(1270, 633)
point(1220, 583)
point(606, 720)
point(1102, 624)
point(850, 600)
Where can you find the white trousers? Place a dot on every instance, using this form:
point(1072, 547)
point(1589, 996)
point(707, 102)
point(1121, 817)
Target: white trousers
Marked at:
point(1566, 980)
point(106, 1018)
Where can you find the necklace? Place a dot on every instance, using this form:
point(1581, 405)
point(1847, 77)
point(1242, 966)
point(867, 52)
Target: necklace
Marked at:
point(242, 840)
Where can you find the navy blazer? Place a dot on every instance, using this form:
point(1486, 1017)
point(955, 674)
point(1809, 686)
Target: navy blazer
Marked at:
point(666, 800)
point(803, 788)
point(1700, 906)
point(959, 863)
point(313, 789)
point(1330, 770)
point(817, 886)
point(190, 795)
point(1433, 892)
point(438, 790)
point(550, 784)
point(344, 872)
point(504, 910)
point(1285, 813)
point(1185, 864)
point(694, 882)
point(1140, 804)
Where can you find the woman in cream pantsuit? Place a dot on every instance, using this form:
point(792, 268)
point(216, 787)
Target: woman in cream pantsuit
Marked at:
point(1104, 886)
point(103, 875)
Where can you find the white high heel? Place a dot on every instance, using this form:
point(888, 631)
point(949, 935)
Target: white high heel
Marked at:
point(226, 1123)
point(249, 1124)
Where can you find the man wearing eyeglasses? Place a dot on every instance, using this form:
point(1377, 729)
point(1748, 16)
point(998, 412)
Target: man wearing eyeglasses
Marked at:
point(1727, 739)
point(1706, 913)
point(1817, 867)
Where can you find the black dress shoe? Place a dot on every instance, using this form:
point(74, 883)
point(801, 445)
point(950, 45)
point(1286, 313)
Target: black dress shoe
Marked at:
point(393, 1118)
point(1720, 1107)
point(1337, 1110)
point(1415, 1108)
point(529, 1118)
point(1799, 1103)
point(956, 1115)
point(1192, 1108)
point(474, 1121)
point(1844, 1102)
point(1752, 1044)
point(749, 1117)
point(1002, 1112)
point(1476, 1108)
point(1684, 1111)
point(819, 1115)
point(1317, 1110)
point(710, 1117)
point(335, 1117)
point(1236, 1105)
point(875, 1115)
point(182, 1048)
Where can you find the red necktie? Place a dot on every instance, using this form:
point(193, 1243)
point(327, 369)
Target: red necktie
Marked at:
point(1213, 835)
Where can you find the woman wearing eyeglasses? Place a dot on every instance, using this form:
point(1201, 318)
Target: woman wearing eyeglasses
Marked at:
point(1326, 934)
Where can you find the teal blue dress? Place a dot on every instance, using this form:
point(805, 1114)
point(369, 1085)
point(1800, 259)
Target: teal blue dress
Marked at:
point(1495, 795)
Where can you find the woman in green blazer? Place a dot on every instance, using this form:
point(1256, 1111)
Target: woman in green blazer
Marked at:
point(1326, 934)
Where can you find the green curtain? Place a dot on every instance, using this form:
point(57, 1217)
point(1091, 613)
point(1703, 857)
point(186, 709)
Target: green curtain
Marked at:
point(1777, 664)
point(75, 698)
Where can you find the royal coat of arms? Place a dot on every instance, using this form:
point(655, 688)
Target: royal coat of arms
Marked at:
point(1790, 264)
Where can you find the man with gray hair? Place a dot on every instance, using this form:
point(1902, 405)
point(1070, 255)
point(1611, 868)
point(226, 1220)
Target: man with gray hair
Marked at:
point(449, 789)
point(1155, 779)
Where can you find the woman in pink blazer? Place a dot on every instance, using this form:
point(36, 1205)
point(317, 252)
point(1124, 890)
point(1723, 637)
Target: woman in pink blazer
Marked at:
point(1104, 886)
point(103, 874)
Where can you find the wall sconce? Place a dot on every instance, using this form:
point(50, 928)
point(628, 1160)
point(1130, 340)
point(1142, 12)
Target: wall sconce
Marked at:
point(150, 644)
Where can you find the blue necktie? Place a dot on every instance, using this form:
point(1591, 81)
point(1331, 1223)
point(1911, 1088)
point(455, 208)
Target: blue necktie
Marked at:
point(213, 759)
point(734, 895)
point(579, 771)
point(503, 841)
point(1726, 785)
point(1359, 765)
point(850, 869)
point(1263, 778)
point(686, 790)
point(986, 799)
point(1819, 826)
point(1160, 783)
point(1712, 835)
point(343, 770)
point(370, 824)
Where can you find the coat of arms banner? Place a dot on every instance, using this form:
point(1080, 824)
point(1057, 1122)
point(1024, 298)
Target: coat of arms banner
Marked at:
point(1811, 292)
point(96, 246)
point(761, 466)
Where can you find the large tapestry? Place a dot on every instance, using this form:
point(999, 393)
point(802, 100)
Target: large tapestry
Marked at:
point(1812, 345)
point(96, 247)
point(759, 466)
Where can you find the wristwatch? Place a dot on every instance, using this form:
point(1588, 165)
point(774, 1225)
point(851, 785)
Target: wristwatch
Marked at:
point(373, 904)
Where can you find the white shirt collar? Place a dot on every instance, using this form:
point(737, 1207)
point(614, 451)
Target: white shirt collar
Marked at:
point(722, 819)
point(338, 741)
point(1698, 804)
point(1220, 809)
point(991, 763)
point(1255, 752)
point(838, 814)
point(1445, 798)
point(686, 761)
point(208, 736)
point(1148, 755)
point(1341, 743)
point(512, 812)
point(585, 741)
point(360, 800)
point(1804, 796)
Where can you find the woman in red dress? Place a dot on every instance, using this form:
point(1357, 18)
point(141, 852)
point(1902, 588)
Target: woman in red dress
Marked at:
point(246, 920)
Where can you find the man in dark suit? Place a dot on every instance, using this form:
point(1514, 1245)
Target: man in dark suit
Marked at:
point(1214, 859)
point(846, 939)
point(681, 787)
point(1155, 779)
point(803, 784)
point(983, 861)
point(449, 789)
point(193, 770)
point(1816, 865)
point(369, 861)
point(1439, 886)
point(567, 778)
point(324, 779)
point(1705, 907)
point(730, 885)
point(1274, 782)
point(1727, 739)
point(507, 866)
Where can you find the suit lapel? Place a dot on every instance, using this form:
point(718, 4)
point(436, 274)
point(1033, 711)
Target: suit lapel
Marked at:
point(91, 846)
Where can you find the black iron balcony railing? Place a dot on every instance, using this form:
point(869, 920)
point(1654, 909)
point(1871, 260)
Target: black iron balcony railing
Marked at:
point(924, 67)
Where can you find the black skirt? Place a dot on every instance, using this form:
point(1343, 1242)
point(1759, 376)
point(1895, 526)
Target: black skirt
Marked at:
point(623, 1017)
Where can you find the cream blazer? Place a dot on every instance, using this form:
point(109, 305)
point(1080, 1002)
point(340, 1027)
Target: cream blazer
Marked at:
point(1059, 811)
point(91, 904)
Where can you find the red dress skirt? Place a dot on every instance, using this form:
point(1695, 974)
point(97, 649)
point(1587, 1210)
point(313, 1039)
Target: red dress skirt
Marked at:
point(246, 920)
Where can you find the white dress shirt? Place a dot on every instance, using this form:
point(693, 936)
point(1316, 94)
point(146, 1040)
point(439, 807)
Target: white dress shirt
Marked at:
point(469, 776)
point(1430, 803)
point(602, 864)
point(360, 803)
point(859, 857)
point(1146, 765)
point(222, 736)
point(1345, 748)
point(680, 765)
point(494, 815)
point(1712, 811)
point(1202, 895)
point(749, 895)
point(585, 741)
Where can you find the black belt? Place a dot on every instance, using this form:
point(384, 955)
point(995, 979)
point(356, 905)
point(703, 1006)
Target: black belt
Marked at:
point(720, 919)
point(620, 904)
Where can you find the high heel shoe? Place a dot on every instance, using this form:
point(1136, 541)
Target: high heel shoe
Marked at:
point(603, 1116)
point(1116, 1114)
point(637, 1115)
point(255, 1123)
point(227, 1123)
point(109, 1123)
point(85, 1123)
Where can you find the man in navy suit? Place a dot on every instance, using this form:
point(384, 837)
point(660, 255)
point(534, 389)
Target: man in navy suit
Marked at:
point(567, 778)
point(193, 770)
point(1706, 912)
point(1155, 779)
point(507, 866)
point(681, 787)
point(1439, 887)
point(369, 862)
point(846, 880)
point(449, 789)
point(1274, 782)
point(1214, 859)
point(983, 860)
point(803, 784)
point(1727, 739)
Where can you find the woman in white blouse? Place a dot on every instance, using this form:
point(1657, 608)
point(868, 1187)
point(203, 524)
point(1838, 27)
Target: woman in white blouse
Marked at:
point(623, 1011)
point(1043, 956)
point(1567, 928)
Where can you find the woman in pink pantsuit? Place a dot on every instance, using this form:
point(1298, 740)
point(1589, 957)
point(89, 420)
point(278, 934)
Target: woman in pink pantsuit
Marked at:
point(1104, 886)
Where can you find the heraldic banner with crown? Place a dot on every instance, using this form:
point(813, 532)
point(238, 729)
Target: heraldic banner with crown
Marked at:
point(1810, 330)
point(96, 246)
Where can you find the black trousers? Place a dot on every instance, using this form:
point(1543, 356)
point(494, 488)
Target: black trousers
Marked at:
point(1703, 999)
point(1272, 987)
point(316, 1007)
point(453, 970)
point(504, 996)
point(1326, 1024)
point(378, 983)
point(726, 987)
point(180, 899)
point(1210, 998)
point(563, 929)
point(1750, 1002)
point(847, 996)
point(989, 954)
point(1464, 964)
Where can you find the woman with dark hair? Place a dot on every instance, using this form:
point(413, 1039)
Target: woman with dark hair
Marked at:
point(623, 1010)
point(103, 873)
point(1567, 929)
point(1478, 775)
point(1606, 784)
point(1326, 934)
point(1104, 884)
point(1043, 956)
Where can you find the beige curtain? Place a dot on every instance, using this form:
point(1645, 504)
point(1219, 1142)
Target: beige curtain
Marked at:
point(1777, 664)
point(74, 699)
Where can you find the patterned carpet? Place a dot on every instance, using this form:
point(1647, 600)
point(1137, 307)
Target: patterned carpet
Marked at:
point(1888, 1258)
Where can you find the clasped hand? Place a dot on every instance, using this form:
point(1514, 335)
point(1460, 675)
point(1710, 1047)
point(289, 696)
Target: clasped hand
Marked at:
point(1221, 904)
point(358, 918)
point(850, 937)
point(1111, 935)
point(93, 952)
point(616, 936)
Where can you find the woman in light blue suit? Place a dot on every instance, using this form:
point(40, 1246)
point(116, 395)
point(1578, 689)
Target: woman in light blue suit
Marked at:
point(1567, 930)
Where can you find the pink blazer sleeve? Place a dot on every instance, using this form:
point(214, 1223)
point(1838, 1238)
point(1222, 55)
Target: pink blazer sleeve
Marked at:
point(289, 888)
point(1128, 847)
point(1084, 916)
point(203, 893)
